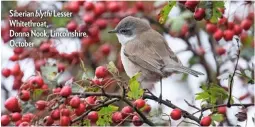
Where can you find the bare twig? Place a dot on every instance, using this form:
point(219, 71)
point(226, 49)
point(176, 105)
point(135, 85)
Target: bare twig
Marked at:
point(232, 78)
point(193, 106)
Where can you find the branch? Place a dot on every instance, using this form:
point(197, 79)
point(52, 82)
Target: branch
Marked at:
point(223, 105)
point(232, 78)
point(139, 112)
point(94, 108)
point(169, 104)
point(117, 96)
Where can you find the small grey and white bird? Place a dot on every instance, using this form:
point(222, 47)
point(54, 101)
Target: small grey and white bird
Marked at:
point(145, 50)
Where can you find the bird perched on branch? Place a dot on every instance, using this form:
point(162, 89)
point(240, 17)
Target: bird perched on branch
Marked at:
point(145, 50)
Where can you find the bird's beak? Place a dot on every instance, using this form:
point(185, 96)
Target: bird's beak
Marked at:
point(112, 31)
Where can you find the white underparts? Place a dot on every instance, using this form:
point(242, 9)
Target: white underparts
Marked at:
point(124, 39)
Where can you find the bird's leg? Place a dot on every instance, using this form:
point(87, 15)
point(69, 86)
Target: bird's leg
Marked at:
point(160, 95)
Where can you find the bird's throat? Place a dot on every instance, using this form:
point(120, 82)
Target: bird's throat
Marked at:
point(124, 39)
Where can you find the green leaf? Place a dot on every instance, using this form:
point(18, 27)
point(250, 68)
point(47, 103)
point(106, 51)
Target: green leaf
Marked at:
point(86, 123)
point(216, 14)
point(212, 93)
point(163, 15)
point(37, 93)
point(202, 96)
point(193, 60)
point(217, 117)
point(105, 115)
point(112, 68)
point(60, 21)
point(134, 86)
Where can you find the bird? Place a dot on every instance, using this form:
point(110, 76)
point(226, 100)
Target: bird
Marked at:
point(146, 51)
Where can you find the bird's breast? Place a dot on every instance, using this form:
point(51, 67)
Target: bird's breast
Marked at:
point(130, 68)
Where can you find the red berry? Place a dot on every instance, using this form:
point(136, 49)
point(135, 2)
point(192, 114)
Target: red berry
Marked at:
point(228, 35)
point(117, 117)
point(14, 57)
point(105, 49)
point(75, 102)
point(24, 95)
point(45, 47)
point(199, 14)
point(211, 28)
point(88, 6)
point(101, 72)
point(90, 100)
point(231, 25)
point(28, 117)
point(65, 121)
point(237, 29)
point(71, 26)
point(65, 112)
point(40, 105)
point(147, 108)
point(222, 21)
point(12, 104)
point(97, 82)
point(191, 5)
point(15, 116)
point(16, 69)
point(48, 121)
point(139, 6)
point(36, 82)
point(80, 110)
point(24, 124)
point(113, 7)
point(101, 23)
point(18, 50)
point(176, 114)
point(39, 63)
point(222, 110)
point(55, 114)
point(61, 67)
point(218, 35)
point(5, 120)
point(93, 31)
point(127, 110)
point(206, 121)
point(88, 18)
point(99, 9)
point(66, 91)
point(73, 6)
point(137, 121)
point(6, 72)
point(56, 90)
point(93, 116)
point(139, 103)
point(220, 50)
point(246, 24)
point(18, 123)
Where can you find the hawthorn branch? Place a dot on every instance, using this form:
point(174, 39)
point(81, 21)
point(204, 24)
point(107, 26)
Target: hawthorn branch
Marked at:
point(171, 105)
point(232, 78)
point(139, 112)
point(94, 108)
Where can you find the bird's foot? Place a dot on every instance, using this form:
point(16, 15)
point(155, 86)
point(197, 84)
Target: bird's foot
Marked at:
point(160, 99)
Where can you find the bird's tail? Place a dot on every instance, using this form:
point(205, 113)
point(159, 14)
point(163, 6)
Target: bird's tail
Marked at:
point(185, 70)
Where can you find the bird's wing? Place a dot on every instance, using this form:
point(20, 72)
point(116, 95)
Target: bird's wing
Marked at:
point(150, 53)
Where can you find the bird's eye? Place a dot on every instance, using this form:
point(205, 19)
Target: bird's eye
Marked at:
point(123, 31)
